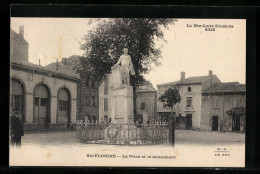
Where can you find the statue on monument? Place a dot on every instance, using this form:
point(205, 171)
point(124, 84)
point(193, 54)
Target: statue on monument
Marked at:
point(122, 69)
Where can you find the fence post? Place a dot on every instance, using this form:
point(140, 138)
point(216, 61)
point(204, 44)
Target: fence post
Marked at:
point(172, 131)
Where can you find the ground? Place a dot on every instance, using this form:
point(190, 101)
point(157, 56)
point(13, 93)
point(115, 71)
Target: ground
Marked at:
point(185, 137)
point(192, 149)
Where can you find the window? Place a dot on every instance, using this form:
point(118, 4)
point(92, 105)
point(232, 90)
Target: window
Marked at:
point(16, 101)
point(236, 102)
point(106, 87)
point(105, 104)
point(63, 105)
point(92, 101)
point(239, 102)
point(36, 101)
point(189, 89)
point(189, 102)
point(43, 101)
point(215, 102)
point(180, 119)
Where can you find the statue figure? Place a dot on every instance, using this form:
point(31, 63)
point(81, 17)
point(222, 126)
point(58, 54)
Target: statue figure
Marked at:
point(125, 67)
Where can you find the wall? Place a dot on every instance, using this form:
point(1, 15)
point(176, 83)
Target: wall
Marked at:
point(195, 110)
point(84, 106)
point(18, 47)
point(225, 103)
point(31, 80)
point(102, 95)
point(150, 106)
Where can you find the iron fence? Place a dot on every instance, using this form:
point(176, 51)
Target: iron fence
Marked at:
point(122, 133)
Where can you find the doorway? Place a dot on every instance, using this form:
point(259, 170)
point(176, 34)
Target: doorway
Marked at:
point(236, 123)
point(188, 121)
point(214, 123)
point(41, 106)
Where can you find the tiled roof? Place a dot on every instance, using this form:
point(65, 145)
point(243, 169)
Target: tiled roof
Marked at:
point(145, 89)
point(189, 80)
point(226, 88)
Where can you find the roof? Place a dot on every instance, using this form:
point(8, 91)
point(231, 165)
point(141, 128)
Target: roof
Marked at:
point(145, 89)
point(15, 35)
point(62, 70)
point(229, 87)
point(189, 80)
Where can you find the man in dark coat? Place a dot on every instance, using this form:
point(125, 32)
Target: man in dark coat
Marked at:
point(16, 129)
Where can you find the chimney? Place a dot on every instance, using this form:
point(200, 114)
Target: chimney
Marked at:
point(64, 61)
point(211, 77)
point(57, 64)
point(21, 31)
point(40, 62)
point(210, 72)
point(182, 75)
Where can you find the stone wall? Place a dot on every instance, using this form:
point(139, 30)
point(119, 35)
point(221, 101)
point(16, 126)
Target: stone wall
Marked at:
point(150, 100)
point(30, 80)
point(85, 108)
point(18, 47)
point(225, 103)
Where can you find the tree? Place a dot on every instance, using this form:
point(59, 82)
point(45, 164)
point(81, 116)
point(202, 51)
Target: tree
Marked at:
point(103, 45)
point(169, 99)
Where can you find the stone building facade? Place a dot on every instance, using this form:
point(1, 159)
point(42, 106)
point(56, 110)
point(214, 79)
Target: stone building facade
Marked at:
point(45, 98)
point(188, 111)
point(146, 101)
point(105, 95)
point(219, 99)
point(87, 88)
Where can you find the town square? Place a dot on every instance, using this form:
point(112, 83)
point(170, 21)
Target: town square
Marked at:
point(128, 84)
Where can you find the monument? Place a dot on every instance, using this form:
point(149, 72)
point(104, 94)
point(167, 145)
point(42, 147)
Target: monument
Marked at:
point(122, 117)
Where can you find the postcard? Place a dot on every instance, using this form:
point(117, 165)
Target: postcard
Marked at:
point(142, 92)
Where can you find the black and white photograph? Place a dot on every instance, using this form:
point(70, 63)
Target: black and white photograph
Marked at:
point(137, 92)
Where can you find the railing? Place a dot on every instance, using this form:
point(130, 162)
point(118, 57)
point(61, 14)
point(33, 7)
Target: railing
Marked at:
point(122, 133)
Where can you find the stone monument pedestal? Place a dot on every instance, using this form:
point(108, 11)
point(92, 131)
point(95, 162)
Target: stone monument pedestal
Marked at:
point(122, 126)
point(122, 105)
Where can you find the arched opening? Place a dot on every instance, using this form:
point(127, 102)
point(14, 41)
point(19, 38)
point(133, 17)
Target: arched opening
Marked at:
point(18, 98)
point(63, 114)
point(41, 106)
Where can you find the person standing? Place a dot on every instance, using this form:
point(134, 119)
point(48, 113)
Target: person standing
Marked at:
point(16, 129)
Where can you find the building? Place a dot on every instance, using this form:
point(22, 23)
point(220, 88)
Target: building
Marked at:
point(87, 87)
point(105, 95)
point(18, 45)
point(45, 97)
point(217, 101)
point(146, 102)
point(188, 111)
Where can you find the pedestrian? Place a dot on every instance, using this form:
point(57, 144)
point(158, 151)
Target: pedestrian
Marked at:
point(16, 129)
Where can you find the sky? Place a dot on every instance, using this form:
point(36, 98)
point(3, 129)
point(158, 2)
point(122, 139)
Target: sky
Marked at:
point(189, 49)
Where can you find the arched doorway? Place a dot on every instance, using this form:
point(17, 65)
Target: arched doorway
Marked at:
point(41, 106)
point(63, 114)
point(17, 97)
